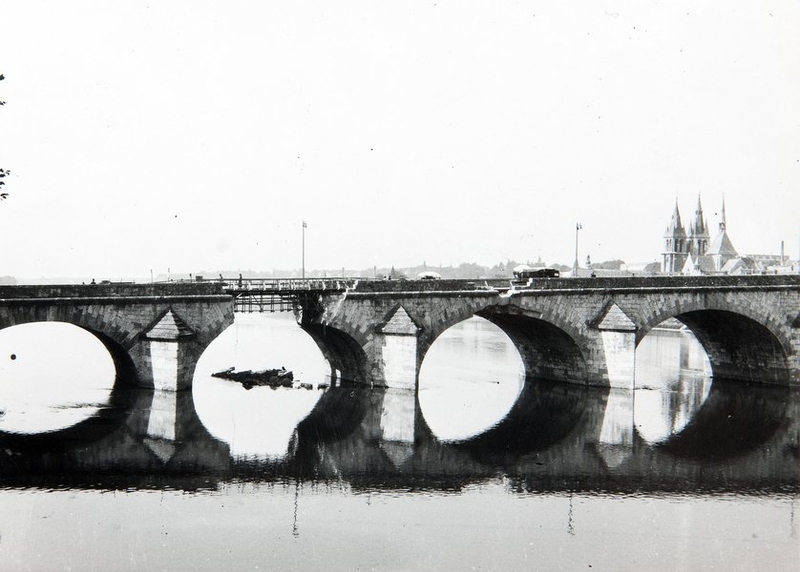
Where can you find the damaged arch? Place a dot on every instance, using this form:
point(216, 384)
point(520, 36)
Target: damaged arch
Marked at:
point(346, 357)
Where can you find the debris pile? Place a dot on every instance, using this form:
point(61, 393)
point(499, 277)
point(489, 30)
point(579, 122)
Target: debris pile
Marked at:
point(249, 379)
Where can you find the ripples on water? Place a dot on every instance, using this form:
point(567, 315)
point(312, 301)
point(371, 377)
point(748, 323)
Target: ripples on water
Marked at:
point(484, 471)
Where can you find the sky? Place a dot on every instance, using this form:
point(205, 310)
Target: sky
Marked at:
point(195, 136)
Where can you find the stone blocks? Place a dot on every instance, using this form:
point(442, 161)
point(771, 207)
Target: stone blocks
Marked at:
point(586, 330)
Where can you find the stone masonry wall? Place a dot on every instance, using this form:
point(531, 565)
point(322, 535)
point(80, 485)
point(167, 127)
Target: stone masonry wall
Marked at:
point(770, 304)
point(123, 314)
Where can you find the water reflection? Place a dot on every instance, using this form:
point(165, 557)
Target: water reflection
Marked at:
point(470, 379)
point(616, 434)
point(257, 423)
point(545, 415)
point(730, 436)
point(733, 422)
point(673, 380)
point(555, 439)
point(556, 471)
point(52, 376)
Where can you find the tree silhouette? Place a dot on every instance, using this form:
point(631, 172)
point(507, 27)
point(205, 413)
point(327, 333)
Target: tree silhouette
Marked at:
point(3, 172)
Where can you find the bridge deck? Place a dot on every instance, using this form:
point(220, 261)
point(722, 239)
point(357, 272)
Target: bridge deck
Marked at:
point(267, 295)
point(293, 285)
point(280, 295)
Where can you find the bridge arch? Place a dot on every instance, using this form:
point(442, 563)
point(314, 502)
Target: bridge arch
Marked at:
point(347, 357)
point(82, 317)
point(71, 384)
point(743, 342)
point(469, 381)
point(448, 316)
point(125, 369)
point(763, 310)
point(547, 348)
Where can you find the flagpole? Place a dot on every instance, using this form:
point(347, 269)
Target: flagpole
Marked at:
point(303, 253)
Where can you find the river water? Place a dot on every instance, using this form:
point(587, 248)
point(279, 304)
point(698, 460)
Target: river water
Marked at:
point(482, 471)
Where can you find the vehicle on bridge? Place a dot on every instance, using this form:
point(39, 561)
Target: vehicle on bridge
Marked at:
point(522, 273)
point(428, 275)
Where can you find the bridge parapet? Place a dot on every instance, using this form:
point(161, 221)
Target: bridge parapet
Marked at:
point(619, 284)
point(287, 284)
point(112, 290)
point(422, 286)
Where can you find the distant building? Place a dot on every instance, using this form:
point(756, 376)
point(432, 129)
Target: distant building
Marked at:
point(694, 253)
point(680, 247)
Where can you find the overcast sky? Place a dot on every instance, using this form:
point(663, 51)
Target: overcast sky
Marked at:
point(199, 135)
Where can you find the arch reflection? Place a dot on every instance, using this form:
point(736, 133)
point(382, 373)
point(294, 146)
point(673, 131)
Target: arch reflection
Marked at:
point(731, 422)
point(54, 375)
point(258, 423)
point(558, 437)
point(673, 380)
point(544, 415)
point(470, 379)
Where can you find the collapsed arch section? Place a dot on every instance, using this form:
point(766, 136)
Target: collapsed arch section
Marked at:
point(739, 347)
point(547, 351)
point(345, 355)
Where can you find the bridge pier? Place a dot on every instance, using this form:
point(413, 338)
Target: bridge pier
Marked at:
point(166, 357)
point(165, 365)
point(398, 340)
point(618, 337)
point(794, 374)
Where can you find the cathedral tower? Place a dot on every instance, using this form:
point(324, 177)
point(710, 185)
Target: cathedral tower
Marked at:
point(699, 237)
point(676, 246)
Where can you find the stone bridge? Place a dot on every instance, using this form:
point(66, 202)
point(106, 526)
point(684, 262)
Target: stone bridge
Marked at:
point(572, 330)
point(155, 333)
point(378, 332)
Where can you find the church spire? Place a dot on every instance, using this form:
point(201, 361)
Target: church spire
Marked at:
point(722, 222)
point(675, 222)
point(698, 226)
point(699, 236)
point(675, 244)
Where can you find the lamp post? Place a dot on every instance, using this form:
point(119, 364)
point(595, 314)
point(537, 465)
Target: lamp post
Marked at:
point(578, 226)
point(303, 252)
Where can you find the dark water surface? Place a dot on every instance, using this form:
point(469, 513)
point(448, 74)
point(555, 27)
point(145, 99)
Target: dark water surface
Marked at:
point(483, 471)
